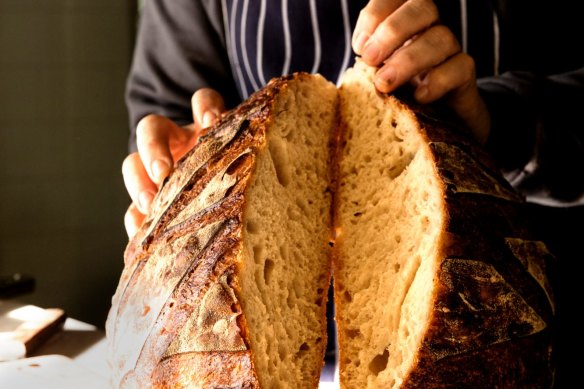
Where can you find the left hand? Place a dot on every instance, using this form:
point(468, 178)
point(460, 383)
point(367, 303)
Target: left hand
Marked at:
point(405, 39)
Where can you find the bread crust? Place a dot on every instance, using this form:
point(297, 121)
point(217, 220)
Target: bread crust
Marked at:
point(176, 318)
point(492, 319)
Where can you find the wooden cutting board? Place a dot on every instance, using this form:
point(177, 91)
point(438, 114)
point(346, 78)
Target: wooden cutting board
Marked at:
point(49, 372)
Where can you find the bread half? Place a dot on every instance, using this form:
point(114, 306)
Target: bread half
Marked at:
point(225, 285)
point(437, 281)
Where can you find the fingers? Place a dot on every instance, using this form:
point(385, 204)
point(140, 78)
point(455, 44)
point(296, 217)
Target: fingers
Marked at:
point(207, 105)
point(405, 40)
point(159, 142)
point(138, 184)
point(369, 18)
point(388, 25)
point(132, 220)
point(455, 79)
point(427, 50)
point(458, 72)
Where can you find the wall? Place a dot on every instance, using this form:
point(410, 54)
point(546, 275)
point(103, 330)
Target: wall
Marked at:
point(63, 136)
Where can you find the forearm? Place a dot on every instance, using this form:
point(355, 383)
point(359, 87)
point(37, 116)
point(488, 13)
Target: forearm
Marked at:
point(537, 135)
point(180, 48)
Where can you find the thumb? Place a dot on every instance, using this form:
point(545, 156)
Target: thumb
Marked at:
point(207, 105)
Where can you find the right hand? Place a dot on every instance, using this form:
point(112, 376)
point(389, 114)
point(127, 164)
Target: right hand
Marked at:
point(161, 142)
point(406, 40)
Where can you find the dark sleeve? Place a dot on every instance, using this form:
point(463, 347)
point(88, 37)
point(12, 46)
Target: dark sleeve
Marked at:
point(537, 133)
point(180, 48)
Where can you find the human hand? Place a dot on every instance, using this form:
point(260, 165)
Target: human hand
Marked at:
point(406, 41)
point(161, 142)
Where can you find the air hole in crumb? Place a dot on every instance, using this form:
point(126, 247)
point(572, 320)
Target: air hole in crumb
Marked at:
point(367, 158)
point(268, 270)
point(396, 267)
point(282, 352)
point(425, 222)
point(257, 254)
point(347, 296)
point(378, 123)
point(300, 203)
point(318, 301)
point(352, 334)
point(393, 123)
point(379, 363)
point(279, 154)
point(252, 227)
point(397, 238)
point(304, 347)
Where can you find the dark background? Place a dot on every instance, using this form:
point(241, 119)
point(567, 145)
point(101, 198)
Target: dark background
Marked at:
point(63, 137)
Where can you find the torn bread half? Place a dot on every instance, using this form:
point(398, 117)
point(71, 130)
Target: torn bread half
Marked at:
point(225, 285)
point(437, 281)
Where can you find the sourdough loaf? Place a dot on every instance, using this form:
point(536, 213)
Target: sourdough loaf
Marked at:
point(225, 284)
point(438, 282)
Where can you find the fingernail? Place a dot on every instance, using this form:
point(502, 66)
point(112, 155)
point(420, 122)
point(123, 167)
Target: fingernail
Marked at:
point(145, 200)
point(372, 51)
point(208, 119)
point(385, 78)
point(160, 170)
point(359, 42)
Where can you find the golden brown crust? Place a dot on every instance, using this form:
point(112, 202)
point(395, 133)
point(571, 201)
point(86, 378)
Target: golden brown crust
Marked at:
point(181, 268)
point(207, 369)
point(492, 319)
point(176, 319)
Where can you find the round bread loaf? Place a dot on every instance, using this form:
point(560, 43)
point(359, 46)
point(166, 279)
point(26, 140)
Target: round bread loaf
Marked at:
point(438, 280)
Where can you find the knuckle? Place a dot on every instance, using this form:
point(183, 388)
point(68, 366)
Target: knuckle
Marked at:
point(441, 36)
point(424, 11)
point(390, 27)
point(465, 66)
point(467, 62)
point(429, 8)
point(408, 57)
point(370, 11)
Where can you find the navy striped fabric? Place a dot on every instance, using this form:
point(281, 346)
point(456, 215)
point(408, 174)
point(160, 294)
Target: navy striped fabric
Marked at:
point(269, 38)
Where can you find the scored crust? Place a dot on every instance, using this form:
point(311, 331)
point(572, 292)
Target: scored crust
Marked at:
point(438, 281)
point(198, 270)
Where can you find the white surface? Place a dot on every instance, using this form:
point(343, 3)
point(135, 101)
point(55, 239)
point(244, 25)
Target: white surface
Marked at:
point(81, 342)
point(48, 372)
point(80, 347)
